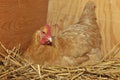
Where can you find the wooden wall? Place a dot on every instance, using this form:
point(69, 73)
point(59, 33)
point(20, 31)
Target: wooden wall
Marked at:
point(62, 13)
point(19, 19)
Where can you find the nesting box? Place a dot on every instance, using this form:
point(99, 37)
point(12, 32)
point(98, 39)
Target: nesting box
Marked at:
point(19, 19)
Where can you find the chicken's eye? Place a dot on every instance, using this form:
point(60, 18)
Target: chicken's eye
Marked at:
point(43, 32)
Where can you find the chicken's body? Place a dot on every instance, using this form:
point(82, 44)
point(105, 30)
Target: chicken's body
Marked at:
point(78, 43)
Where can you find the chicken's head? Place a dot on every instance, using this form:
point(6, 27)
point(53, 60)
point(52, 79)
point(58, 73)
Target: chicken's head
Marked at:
point(44, 36)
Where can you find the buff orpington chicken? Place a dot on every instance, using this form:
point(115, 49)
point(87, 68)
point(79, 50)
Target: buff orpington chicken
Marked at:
point(78, 44)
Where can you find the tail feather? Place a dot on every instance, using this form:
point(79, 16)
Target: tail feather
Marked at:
point(88, 13)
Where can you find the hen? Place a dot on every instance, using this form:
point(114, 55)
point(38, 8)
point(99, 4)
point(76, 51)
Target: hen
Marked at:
point(77, 44)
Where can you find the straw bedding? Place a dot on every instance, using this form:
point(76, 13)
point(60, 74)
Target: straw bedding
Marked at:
point(14, 67)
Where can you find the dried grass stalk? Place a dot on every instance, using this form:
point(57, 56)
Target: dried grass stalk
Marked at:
point(15, 67)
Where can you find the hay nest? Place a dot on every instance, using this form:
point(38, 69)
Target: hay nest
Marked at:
point(14, 67)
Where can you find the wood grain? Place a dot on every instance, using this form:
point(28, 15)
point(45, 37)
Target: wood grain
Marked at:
point(19, 19)
point(62, 13)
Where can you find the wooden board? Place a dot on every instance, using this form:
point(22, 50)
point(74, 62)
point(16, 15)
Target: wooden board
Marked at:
point(62, 13)
point(19, 19)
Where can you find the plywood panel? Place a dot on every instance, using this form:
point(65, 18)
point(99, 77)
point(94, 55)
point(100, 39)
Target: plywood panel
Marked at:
point(62, 13)
point(19, 19)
